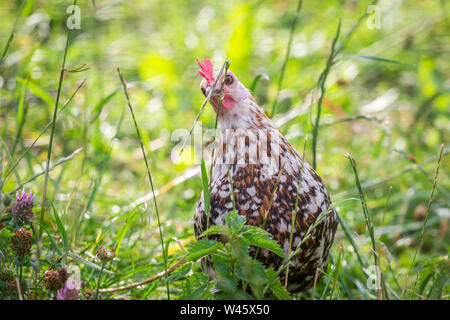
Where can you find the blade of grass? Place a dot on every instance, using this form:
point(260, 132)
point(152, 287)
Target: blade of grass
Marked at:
point(256, 81)
point(42, 132)
point(203, 105)
point(49, 152)
point(21, 115)
point(421, 169)
point(266, 213)
point(342, 282)
point(60, 226)
point(379, 59)
point(87, 263)
point(99, 107)
point(206, 193)
point(323, 77)
point(362, 261)
point(219, 106)
point(38, 91)
point(334, 275)
point(10, 160)
point(380, 293)
point(294, 216)
point(321, 85)
point(98, 180)
point(376, 182)
point(349, 33)
point(422, 232)
point(160, 275)
point(148, 173)
point(11, 35)
point(233, 196)
point(53, 166)
point(297, 249)
point(369, 224)
point(129, 219)
point(52, 240)
point(286, 58)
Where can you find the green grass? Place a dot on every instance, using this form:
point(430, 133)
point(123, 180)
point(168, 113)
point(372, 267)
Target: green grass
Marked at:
point(380, 95)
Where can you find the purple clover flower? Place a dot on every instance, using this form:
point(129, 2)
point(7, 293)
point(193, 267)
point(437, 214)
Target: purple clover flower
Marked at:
point(69, 291)
point(22, 208)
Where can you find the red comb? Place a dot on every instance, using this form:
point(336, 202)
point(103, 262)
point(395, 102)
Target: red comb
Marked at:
point(206, 70)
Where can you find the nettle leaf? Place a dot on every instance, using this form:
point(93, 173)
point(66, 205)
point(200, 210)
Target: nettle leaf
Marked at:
point(260, 238)
point(248, 268)
point(195, 287)
point(227, 287)
point(194, 293)
point(222, 263)
point(201, 248)
point(277, 289)
point(180, 273)
point(216, 230)
point(252, 271)
point(234, 221)
point(439, 283)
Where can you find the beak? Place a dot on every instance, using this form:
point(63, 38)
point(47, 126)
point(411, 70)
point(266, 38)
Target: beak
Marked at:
point(215, 93)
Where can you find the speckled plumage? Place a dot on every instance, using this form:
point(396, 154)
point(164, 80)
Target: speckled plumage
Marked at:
point(246, 133)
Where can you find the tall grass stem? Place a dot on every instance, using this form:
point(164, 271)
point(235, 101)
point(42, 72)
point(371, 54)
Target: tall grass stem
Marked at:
point(149, 176)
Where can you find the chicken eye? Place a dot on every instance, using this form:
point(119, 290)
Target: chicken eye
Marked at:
point(228, 80)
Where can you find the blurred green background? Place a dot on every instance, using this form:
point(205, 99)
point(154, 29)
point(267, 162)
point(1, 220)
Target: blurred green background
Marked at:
point(391, 117)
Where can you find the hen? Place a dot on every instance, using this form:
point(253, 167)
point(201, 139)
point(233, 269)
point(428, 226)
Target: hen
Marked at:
point(260, 159)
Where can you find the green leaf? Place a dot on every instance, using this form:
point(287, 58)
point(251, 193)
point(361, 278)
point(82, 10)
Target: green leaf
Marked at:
point(380, 59)
point(38, 91)
point(442, 279)
point(20, 110)
point(222, 263)
point(277, 289)
point(234, 221)
point(206, 194)
point(201, 248)
point(60, 226)
point(249, 269)
point(81, 68)
point(215, 230)
point(130, 217)
point(99, 107)
point(256, 80)
point(180, 273)
point(52, 240)
point(260, 238)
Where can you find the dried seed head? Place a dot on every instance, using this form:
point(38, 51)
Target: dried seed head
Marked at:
point(63, 275)
point(21, 243)
point(104, 254)
point(6, 276)
point(52, 280)
point(11, 288)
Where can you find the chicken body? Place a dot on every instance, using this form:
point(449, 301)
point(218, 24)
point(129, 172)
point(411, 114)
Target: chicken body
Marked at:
point(265, 171)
